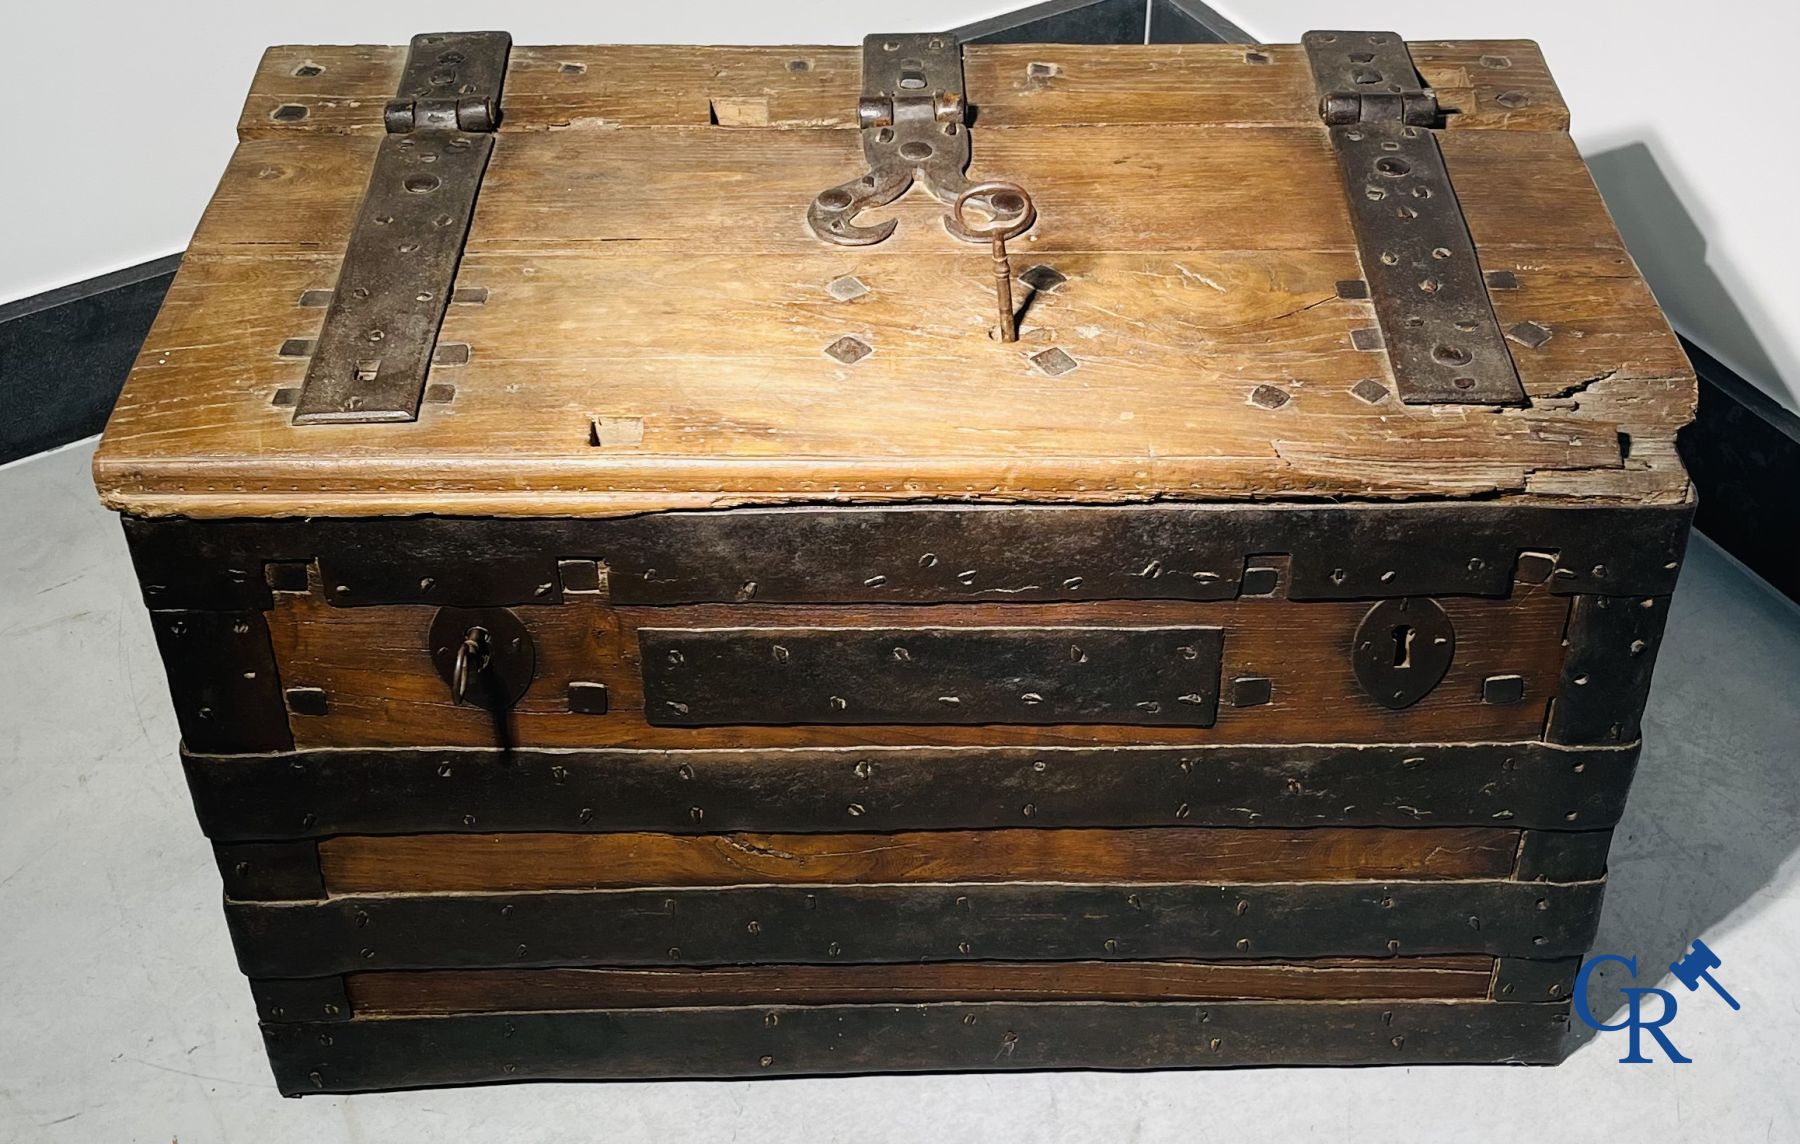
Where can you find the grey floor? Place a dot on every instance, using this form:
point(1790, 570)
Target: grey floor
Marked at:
point(122, 1017)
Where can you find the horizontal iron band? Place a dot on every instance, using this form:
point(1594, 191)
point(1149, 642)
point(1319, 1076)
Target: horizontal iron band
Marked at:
point(411, 1052)
point(850, 923)
point(306, 794)
point(922, 554)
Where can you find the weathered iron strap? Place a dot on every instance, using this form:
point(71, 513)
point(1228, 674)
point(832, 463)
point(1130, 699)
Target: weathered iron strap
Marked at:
point(756, 1041)
point(824, 924)
point(309, 794)
point(924, 554)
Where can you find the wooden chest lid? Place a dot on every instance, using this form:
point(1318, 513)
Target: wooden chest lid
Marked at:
point(644, 321)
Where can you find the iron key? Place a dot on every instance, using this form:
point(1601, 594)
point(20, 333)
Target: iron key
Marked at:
point(1011, 214)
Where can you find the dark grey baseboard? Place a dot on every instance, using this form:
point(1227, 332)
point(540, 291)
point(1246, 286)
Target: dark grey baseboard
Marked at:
point(1063, 22)
point(1743, 451)
point(64, 354)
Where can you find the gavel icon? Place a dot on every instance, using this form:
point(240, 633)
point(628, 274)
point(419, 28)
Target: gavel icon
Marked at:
point(1696, 966)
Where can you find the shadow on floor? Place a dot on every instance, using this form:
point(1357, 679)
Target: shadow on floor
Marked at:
point(1713, 810)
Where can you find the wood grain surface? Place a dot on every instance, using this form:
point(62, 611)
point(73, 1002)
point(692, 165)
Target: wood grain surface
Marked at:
point(656, 312)
point(383, 690)
point(343, 89)
point(475, 863)
point(428, 992)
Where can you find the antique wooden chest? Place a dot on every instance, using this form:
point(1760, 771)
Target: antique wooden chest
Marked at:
point(633, 612)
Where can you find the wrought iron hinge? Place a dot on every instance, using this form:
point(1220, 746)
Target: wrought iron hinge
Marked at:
point(1431, 303)
point(374, 351)
point(914, 120)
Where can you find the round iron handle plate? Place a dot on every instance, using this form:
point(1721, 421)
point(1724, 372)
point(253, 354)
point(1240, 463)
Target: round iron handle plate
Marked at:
point(495, 680)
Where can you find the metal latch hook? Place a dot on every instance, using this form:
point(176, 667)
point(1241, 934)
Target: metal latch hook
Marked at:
point(914, 129)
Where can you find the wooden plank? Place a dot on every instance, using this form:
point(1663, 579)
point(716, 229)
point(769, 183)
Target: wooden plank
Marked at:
point(473, 863)
point(940, 921)
point(704, 410)
point(400, 791)
point(1186, 292)
point(342, 89)
point(1491, 84)
point(1116, 189)
point(388, 1053)
point(383, 689)
point(447, 992)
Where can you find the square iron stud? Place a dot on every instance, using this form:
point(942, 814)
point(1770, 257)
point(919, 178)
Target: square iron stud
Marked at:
point(1369, 390)
point(616, 432)
point(308, 701)
point(469, 296)
point(1255, 58)
point(1053, 361)
point(1043, 278)
point(1501, 280)
point(296, 347)
point(1529, 334)
point(579, 575)
point(315, 299)
point(286, 576)
point(1352, 289)
point(1251, 691)
point(1368, 338)
point(450, 353)
point(1269, 397)
point(440, 393)
point(587, 698)
point(849, 350)
point(285, 396)
point(1503, 689)
point(846, 288)
point(1534, 567)
point(1259, 581)
point(1513, 99)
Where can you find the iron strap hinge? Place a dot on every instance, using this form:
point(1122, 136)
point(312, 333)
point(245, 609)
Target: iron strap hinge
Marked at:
point(374, 351)
point(1431, 303)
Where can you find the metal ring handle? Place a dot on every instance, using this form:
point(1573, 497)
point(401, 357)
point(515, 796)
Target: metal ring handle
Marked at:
point(471, 657)
point(1004, 224)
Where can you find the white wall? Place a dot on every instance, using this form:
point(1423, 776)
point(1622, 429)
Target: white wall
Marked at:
point(125, 111)
point(1679, 107)
point(1682, 109)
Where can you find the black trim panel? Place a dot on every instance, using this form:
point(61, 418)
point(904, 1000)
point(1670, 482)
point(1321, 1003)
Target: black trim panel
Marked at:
point(1743, 451)
point(64, 355)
